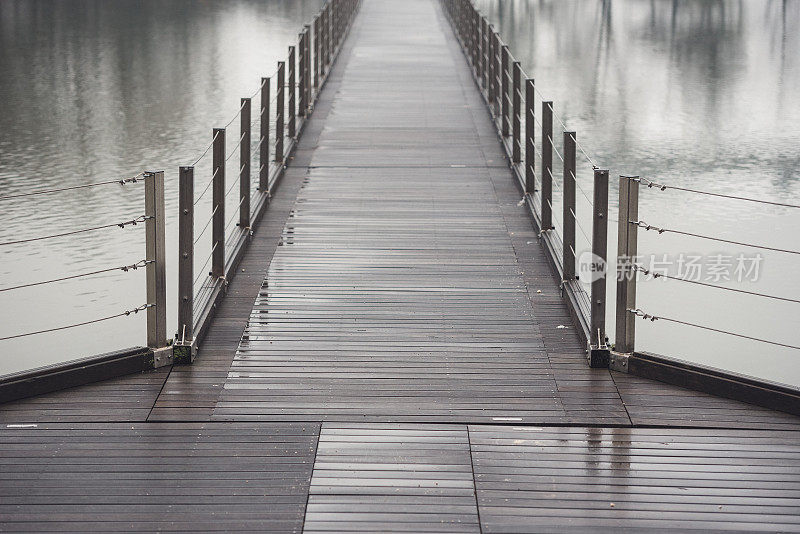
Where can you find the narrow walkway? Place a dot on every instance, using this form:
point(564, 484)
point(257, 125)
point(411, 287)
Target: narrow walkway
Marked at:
point(403, 368)
point(397, 294)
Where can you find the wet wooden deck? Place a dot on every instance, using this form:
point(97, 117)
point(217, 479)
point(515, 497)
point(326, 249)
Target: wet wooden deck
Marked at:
point(390, 359)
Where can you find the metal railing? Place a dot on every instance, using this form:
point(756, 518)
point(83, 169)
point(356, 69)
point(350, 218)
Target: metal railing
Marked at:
point(154, 262)
point(500, 78)
point(512, 97)
point(629, 269)
point(307, 68)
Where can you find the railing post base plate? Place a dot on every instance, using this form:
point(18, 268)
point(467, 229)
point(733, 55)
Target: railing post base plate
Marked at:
point(162, 356)
point(618, 361)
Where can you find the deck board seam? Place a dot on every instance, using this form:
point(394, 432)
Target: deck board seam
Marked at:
point(474, 481)
point(622, 398)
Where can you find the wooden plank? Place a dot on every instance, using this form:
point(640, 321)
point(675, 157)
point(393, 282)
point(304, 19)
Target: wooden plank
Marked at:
point(392, 478)
point(534, 479)
point(144, 476)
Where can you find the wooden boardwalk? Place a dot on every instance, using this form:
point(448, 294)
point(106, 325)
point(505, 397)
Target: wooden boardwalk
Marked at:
point(390, 358)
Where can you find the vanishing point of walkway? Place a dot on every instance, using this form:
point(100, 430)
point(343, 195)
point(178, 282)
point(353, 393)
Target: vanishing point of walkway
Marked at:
point(408, 364)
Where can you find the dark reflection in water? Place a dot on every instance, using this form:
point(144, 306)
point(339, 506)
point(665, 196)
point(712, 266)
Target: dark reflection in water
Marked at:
point(92, 90)
point(696, 93)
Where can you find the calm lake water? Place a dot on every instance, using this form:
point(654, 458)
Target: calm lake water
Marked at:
point(94, 90)
point(699, 94)
point(695, 93)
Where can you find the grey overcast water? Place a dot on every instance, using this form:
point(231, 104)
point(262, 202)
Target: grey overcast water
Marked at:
point(702, 94)
point(94, 90)
point(695, 93)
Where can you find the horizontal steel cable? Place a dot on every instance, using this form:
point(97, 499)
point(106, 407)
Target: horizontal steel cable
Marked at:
point(532, 114)
point(553, 146)
point(211, 144)
point(203, 268)
point(578, 224)
point(208, 222)
point(553, 181)
point(535, 148)
point(224, 127)
point(637, 267)
point(642, 224)
point(663, 187)
point(577, 143)
point(260, 142)
point(553, 220)
point(122, 181)
point(234, 182)
point(578, 185)
point(263, 82)
point(235, 116)
point(207, 187)
point(535, 177)
point(123, 224)
point(123, 314)
point(233, 150)
point(639, 313)
point(126, 268)
point(234, 216)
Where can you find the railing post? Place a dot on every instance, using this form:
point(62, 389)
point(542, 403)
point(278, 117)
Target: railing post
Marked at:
point(504, 92)
point(516, 148)
point(323, 46)
point(491, 75)
point(547, 165)
point(496, 71)
point(307, 71)
point(292, 94)
point(218, 205)
point(476, 38)
point(301, 75)
point(334, 26)
point(340, 22)
point(244, 166)
point(279, 92)
point(487, 49)
point(473, 39)
point(462, 26)
point(530, 159)
point(326, 38)
point(473, 33)
point(317, 50)
point(598, 350)
point(329, 32)
point(263, 147)
point(454, 16)
point(568, 206)
point(459, 30)
point(183, 350)
point(156, 271)
point(626, 274)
